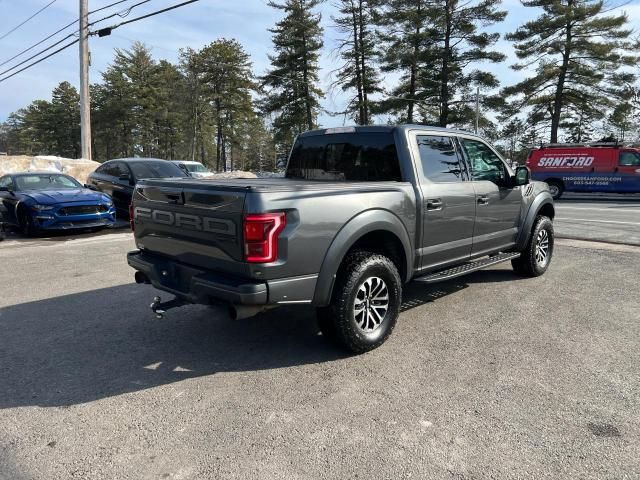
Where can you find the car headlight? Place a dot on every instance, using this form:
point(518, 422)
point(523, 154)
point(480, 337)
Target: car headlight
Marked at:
point(42, 208)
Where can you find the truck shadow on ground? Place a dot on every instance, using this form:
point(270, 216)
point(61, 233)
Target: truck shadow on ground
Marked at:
point(83, 347)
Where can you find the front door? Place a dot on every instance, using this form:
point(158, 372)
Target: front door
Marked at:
point(448, 209)
point(498, 202)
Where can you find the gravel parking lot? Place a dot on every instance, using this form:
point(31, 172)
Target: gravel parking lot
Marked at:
point(488, 376)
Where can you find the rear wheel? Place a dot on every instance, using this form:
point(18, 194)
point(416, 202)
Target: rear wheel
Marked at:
point(535, 259)
point(365, 304)
point(555, 188)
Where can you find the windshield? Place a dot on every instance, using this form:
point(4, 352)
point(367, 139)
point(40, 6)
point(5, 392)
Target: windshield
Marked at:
point(345, 157)
point(156, 169)
point(196, 167)
point(45, 182)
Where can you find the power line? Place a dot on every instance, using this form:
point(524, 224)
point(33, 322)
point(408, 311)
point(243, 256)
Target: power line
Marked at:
point(21, 24)
point(107, 6)
point(37, 54)
point(41, 59)
point(107, 31)
point(39, 43)
point(121, 13)
point(73, 42)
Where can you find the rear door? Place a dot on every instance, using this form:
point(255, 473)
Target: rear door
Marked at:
point(497, 201)
point(628, 171)
point(448, 209)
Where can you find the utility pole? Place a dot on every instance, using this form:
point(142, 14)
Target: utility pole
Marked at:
point(477, 108)
point(85, 101)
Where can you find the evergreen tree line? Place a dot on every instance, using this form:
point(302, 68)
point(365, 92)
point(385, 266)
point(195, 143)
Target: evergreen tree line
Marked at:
point(401, 61)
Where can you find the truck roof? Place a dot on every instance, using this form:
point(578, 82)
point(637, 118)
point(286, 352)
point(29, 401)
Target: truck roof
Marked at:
point(382, 128)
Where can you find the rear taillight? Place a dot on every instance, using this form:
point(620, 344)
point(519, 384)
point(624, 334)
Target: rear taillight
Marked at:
point(131, 222)
point(261, 232)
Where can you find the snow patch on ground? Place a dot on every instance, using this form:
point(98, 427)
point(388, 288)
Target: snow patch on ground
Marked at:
point(79, 168)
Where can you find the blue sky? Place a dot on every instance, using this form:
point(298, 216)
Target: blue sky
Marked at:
point(194, 25)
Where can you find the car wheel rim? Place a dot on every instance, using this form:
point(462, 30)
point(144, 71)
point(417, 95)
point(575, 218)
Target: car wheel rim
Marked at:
point(371, 304)
point(553, 189)
point(542, 248)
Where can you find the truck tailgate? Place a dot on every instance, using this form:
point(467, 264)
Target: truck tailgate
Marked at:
point(193, 222)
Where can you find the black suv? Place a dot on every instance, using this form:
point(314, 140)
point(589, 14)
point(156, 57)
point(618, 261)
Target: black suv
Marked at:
point(117, 178)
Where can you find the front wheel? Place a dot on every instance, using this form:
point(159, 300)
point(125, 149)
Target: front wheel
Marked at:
point(366, 302)
point(27, 228)
point(536, 257)
point(555, 189)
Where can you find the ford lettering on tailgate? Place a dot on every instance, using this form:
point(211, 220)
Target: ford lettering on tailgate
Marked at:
point(184, 220)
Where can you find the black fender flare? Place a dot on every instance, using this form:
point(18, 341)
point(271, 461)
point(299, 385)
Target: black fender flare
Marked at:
point(542, 199)
point(363, 223)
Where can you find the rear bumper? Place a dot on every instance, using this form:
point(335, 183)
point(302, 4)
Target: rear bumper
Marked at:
point(195, 285)
point(209, 287)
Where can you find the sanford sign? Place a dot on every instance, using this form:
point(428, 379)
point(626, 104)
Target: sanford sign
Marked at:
point(565, 161)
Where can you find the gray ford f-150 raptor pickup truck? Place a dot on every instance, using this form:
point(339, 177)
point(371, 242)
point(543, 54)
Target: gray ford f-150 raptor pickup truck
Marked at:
point(361, 212)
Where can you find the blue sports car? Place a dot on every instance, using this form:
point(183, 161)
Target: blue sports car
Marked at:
point(52, 201)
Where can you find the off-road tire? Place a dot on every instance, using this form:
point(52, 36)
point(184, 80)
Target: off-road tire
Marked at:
point(527, 264)
point(358, 268)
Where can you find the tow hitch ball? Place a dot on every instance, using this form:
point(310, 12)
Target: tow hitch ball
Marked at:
point(160, 308)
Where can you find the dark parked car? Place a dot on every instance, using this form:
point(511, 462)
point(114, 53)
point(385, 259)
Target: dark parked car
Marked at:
point(118, 177)
point(361, 212)
point(52, 201)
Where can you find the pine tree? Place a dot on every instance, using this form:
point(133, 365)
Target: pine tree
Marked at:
point(578, 53)
point(357, 50)
point(578, 121)
point(64, 120)
point(227, 83)
point(621, 121)
point(406, 43)
point(435, 44)
point(292, 82)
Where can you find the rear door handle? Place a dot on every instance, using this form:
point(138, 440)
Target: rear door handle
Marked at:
point(434, 204)
point(483, 200)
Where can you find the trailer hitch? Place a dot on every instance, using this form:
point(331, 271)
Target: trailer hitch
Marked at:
point(160, 308)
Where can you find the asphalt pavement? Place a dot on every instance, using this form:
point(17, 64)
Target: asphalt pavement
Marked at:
point(603, 218)
point(488, 376)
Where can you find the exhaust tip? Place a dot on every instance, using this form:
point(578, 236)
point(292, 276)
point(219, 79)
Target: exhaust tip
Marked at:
point(141, 278)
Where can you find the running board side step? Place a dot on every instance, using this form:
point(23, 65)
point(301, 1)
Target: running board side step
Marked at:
point(465, 268)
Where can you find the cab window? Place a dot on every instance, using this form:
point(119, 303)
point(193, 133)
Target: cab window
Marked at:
point(629, 159)
point(484, 163)
point(440, 162)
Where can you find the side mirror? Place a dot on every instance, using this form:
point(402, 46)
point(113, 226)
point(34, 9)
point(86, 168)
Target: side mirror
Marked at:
point(89, 186)
point(124, 176)
point(523, 176)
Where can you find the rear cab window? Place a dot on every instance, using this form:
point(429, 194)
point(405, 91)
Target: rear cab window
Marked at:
point(439, 159)
point(156, 169)
point(349, 157)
